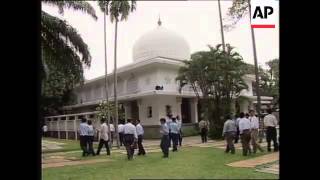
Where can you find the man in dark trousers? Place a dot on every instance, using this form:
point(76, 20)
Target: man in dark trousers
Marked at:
point(245, 134)
point(104, 137)
point(270, 123)
point(140, 133)
point(164, 144)
point(83, 132)
point(130, 137)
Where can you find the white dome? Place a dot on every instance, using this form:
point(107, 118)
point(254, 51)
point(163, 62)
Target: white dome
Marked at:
point(161, 42)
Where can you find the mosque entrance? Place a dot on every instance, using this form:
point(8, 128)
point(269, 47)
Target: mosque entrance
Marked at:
point(185, 110)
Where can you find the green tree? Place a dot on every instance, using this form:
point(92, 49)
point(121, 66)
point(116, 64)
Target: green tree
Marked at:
point(63, 54)
point(119, 11)
point(218, 75)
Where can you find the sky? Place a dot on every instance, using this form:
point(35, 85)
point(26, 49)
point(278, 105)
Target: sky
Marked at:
point(197, 21)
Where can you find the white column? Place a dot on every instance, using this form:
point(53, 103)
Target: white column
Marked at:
point(127, 107)
point(58, 127)
point(75, 127)
point(194, 110)
point(179, 101)
point(141, 110)
point(66, 126)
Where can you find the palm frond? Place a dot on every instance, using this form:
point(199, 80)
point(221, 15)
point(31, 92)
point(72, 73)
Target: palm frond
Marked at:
point(74, 5)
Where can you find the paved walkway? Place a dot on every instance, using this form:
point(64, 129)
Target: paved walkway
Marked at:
point(251, 163)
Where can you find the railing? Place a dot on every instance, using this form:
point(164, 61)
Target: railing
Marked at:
point(69, 123)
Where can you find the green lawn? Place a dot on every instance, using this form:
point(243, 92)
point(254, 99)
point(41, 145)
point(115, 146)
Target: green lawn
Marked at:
point(70, 145)
point(190, 162)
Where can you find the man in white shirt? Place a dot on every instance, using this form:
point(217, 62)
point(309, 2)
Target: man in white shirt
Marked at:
point(140, 133)
point(164, 144)
point(270, 123)
point(179, 122)
point(168, 122)
point(245, 134)
point(254, 131)
point(83, 133)
point(120, 131)
point(104, 137)
point(112, 131)
point(130, 137)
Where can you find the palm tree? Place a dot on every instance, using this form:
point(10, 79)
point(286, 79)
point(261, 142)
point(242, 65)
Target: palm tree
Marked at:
point(63, 50)
point(119, 11)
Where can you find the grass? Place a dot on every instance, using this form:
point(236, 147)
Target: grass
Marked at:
point(190, 162)
point(69, 145)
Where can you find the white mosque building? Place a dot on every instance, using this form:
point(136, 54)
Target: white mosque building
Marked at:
point(157, 57)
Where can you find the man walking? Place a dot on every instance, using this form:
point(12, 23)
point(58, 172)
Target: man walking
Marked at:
point(140, 133)
point(174, 133)
point(130, 137)
point(254, 132)
point(229, 132)
point(164, 144)
point(179, 122)
point(204, 126)
point(83, 133)
point(104, 137)
point(244, 127)
point(120, 130)
point(270, 122)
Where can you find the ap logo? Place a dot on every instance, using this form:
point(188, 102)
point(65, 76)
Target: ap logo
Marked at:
point(263, 13)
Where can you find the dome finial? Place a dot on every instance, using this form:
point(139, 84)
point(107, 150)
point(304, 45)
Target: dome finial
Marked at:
point(159, 21)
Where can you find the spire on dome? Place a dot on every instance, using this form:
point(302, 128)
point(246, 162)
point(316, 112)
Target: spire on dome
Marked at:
point(159, 21)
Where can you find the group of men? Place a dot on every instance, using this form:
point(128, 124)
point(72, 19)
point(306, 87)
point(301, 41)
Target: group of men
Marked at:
point(247, 126)
point(130, 135)
point(170, 131)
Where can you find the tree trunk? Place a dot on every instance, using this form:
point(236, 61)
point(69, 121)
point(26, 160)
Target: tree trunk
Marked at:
point(115, 85)
point(106, 73)
point(221, 27)
point(256, 71)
